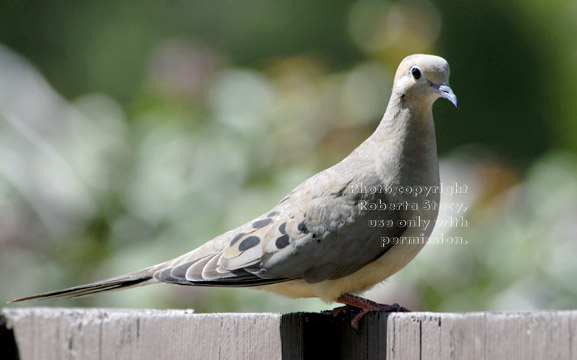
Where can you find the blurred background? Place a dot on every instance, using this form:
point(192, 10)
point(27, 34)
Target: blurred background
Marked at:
point(131, 133)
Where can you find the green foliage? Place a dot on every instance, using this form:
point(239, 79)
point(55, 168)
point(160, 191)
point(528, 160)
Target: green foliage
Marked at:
point(133, 132)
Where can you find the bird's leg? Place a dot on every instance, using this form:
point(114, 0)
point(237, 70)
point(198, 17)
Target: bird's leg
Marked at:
point(365, 306)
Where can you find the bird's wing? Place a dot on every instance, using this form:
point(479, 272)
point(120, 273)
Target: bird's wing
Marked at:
point(317, 232)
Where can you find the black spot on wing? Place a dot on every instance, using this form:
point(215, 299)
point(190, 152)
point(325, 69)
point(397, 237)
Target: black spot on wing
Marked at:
point(282, 241)
point(236, 238)
point(261, 223)
point(248, 243)
point(282, 228)
point(302, 227)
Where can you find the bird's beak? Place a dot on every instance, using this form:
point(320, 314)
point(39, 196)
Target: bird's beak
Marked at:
point(446, 92)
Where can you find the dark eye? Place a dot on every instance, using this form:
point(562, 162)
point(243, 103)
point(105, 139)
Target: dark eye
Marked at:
point(415, 73)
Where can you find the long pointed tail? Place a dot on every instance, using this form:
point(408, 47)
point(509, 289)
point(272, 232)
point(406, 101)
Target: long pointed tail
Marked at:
point(138, 278)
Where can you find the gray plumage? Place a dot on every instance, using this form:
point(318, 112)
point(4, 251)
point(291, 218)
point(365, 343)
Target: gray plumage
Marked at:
point(321, 239)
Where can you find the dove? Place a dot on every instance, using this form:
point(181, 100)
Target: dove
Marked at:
point(321, 240)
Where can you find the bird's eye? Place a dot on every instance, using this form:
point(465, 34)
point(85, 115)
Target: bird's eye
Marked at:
point(415, 73)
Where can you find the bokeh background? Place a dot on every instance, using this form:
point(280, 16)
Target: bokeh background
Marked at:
point(132, 132)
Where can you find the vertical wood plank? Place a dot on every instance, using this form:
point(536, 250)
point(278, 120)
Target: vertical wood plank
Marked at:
point(531, 335)
point(404, 337)
point(54, 334)
point(322, 336)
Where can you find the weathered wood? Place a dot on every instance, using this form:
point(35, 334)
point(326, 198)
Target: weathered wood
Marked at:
point(51, 333)
point(530, 335)
point(54, 334)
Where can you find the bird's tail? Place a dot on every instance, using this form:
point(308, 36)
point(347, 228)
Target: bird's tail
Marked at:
point(138, 278)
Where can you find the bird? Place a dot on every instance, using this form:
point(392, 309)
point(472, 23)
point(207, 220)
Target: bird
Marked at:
point(340, 232)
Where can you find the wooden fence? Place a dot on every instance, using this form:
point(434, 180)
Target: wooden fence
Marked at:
point(63, 333)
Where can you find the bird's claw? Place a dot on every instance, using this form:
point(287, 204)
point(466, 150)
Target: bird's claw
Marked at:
point(365, 306)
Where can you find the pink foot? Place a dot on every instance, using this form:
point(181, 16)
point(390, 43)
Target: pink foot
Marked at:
point(365, 306)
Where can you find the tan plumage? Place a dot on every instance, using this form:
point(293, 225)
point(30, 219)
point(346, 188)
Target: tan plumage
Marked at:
point(318, 241)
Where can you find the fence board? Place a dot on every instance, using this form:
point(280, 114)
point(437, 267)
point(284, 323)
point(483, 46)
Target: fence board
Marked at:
point(57, 333)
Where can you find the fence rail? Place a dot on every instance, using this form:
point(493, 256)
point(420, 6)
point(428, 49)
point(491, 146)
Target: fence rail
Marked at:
point(74, 333)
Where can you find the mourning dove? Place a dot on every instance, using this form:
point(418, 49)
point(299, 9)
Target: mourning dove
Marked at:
point(343, 230)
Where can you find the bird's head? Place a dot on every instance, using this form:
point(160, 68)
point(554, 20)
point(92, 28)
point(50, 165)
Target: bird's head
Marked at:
point(423, 79)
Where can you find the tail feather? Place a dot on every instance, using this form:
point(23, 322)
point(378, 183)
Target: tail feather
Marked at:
point(112, 284)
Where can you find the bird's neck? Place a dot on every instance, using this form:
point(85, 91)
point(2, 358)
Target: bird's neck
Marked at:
point(406, 139)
